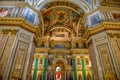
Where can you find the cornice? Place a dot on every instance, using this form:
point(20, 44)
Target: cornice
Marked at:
point(101, 8)
point(20, 22)
point(80, 51)
point(101, 27)
point(19, 4)
point(75, 51)
point(42, 50)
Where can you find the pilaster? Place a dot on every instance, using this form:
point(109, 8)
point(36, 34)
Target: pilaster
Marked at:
point(101, 51)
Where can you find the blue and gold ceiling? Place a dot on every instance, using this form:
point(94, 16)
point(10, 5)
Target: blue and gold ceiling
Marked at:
point(86, 5)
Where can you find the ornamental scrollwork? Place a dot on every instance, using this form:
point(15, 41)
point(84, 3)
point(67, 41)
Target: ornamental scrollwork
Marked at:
point(112, 35)
point(11, 31)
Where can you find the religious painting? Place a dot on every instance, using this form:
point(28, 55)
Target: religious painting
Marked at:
point(69, 75)
point(40, 61)
point(3, 12)
point(58, 75)
point(86, 61)
point(94, 19)
point(6, 11)
point(78, 62)
point(50, 75)
point(30, 16)
point(61, 17)
point(50, 61)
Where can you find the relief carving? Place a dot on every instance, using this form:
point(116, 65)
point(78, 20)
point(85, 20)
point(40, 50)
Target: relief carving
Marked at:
point(7, 31)
point(20, 57)
point(112, 35)
point(104, 55)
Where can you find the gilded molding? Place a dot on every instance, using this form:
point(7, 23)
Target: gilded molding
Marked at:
point(41, 50)
point(78, 51)
point(20, 22)
point(112, 35)
point(103, 26)
point(19, 4)
point(102, 8)
point(11, 31)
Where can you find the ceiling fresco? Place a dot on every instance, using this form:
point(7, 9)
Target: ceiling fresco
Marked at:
point(86, 5)
point(62, 17)
point(63, 4)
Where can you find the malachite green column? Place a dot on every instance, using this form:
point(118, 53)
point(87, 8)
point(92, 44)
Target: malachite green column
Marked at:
point(35, 69)
point(92, 76)
point(75, 73)
point(83, 69)
point(44, 71)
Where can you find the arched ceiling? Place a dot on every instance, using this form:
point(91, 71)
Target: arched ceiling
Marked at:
point(61, 17)
point(85, 5)
point(63, 13)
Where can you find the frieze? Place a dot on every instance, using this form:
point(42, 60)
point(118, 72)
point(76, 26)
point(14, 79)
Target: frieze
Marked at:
point(7, 31)
point(60, 54)
point(112, 35)
point(22, 23)
point(102, 27)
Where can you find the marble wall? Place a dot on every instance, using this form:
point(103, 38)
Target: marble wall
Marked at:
point(102, 57)
point(16, 57)
point(7, 39)
point(94, 62)
point(114, 37)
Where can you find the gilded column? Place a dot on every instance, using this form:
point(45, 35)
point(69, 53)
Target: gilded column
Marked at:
point(35, 69)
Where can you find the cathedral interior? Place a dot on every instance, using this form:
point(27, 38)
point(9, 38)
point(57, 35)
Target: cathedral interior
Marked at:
point(79, 39)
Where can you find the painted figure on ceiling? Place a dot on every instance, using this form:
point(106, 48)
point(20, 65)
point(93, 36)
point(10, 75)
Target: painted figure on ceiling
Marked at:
point(3, 12)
